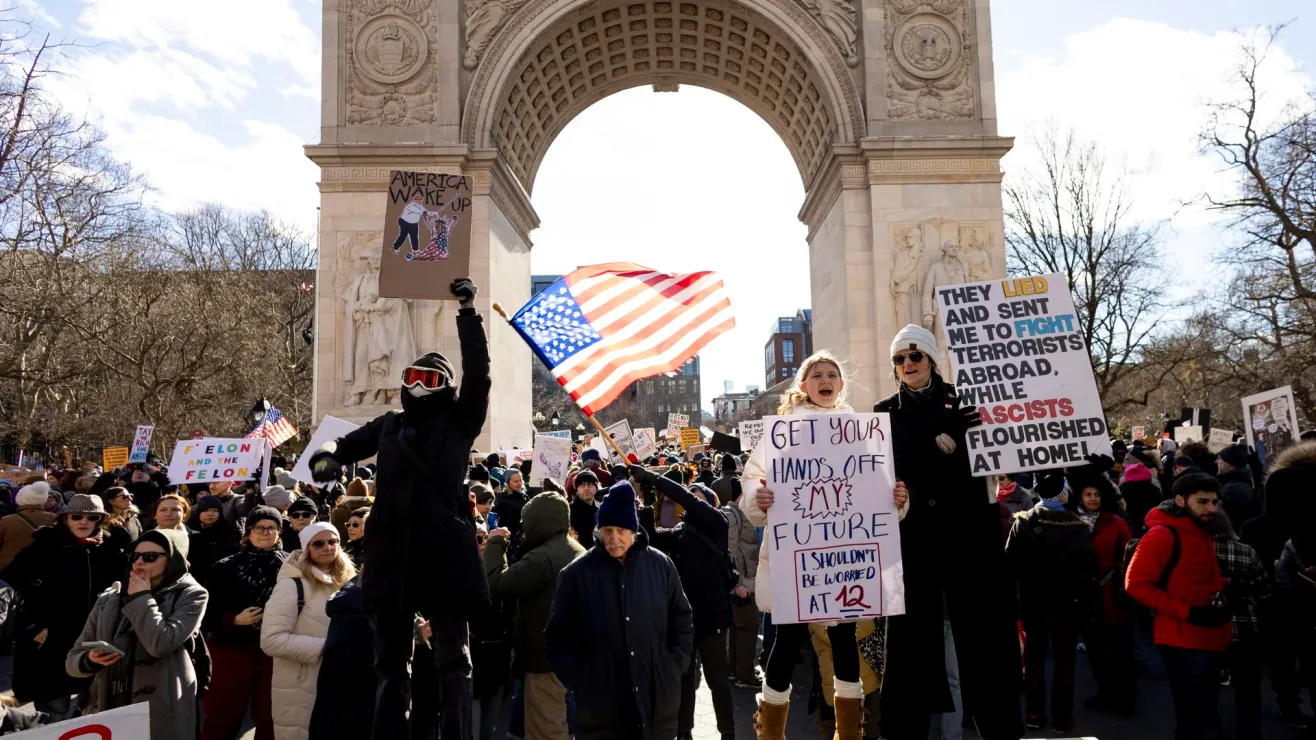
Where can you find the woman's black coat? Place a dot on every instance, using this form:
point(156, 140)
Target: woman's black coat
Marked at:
point(209, 545)
point(700, 561)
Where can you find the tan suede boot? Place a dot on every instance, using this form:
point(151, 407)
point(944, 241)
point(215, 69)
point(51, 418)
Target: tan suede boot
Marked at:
point(849, 719)
point(770, 721)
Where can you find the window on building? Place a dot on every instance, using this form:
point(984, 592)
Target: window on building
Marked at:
point(785, 372)
point(680, 386)
point(770, 356)
point(788, 350)
point(648, 387)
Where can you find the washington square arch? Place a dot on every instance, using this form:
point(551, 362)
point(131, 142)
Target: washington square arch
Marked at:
point(887, 107)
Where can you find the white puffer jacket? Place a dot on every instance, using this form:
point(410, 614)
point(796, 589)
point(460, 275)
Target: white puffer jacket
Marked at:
point(755, 471)
point(295, 641)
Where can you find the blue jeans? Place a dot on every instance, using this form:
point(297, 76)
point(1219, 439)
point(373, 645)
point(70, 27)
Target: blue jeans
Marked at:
point(950, 725)
point(1195, 684)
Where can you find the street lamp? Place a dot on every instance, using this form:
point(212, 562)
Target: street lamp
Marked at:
point(555, 420)
point(580, 427)
point(258, 411)
point(539, 417)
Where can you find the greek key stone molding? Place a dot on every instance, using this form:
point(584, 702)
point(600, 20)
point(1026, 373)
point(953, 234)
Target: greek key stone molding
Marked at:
point(929, 53)
point(929, 170)
point(389, 77)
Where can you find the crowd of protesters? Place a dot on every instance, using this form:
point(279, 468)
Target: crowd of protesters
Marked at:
point(442, 593)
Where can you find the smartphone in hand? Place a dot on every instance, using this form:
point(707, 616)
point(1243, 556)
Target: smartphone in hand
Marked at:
point(103, 646)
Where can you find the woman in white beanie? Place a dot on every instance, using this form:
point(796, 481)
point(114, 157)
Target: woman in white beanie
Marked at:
point(295, 625)
point(16, 529)
point(954, 556)
point(819, 388)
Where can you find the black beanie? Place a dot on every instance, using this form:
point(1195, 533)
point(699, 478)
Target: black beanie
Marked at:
point(728, 463)
point(303, 504)
point(264, 512)
point(618, 508)
point(436, 361)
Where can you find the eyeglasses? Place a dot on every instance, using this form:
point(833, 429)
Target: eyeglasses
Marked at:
point(145, 557)
point(264, 530)
point(126, 496)
point(353, 525)
point(301, 515)
point(915, 356)
point(319, 544)
point(425, 377)
point(93, 518)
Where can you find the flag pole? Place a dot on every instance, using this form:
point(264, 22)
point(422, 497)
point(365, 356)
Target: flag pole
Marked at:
point(498, 309)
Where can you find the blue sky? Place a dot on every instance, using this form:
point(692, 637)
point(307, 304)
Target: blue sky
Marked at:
point(213, 101)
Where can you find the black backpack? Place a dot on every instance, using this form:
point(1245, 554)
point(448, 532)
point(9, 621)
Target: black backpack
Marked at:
point(1121, 569)
point(731, 574)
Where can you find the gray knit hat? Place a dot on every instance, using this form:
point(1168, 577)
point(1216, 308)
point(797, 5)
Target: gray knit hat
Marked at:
point(278, 497)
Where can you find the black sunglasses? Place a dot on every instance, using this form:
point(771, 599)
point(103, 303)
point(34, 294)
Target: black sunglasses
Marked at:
point(301, 515)
point(93, 518)
point(145, 557)
point(353, 525)
point(916, 356)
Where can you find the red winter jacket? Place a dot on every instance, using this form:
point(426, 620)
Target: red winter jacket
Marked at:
point(1109, 537)
point(1194, 581)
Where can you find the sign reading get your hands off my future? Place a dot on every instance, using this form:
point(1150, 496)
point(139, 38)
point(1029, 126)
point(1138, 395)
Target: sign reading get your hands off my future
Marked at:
point(1017, 354)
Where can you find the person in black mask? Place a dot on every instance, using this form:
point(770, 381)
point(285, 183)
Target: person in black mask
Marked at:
point(426, 519)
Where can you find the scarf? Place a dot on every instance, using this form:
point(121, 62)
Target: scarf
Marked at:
point(258, 571)
point(1089, 519)
point(1003, 492)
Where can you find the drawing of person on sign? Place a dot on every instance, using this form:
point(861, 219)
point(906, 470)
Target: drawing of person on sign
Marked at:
point(409, 224)
point(440, 226)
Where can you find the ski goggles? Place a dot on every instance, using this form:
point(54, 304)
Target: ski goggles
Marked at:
point(425, 377)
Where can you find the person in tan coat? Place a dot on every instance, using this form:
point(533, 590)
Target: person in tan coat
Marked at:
point(295, 625)
point(16, 529)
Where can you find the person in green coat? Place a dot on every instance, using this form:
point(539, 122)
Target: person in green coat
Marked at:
point(531, 581)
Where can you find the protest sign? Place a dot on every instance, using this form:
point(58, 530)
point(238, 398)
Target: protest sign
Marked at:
point(677, 421)
point(515, 455)
point(559, 433)
point(833, 531)
point(331, 428)
point(132, 722)
point(1271, 421)
point(1017, 354)
point(214, 459)
point(427, 235)
point(1219, 439)
point(645, 445)
point(1140, 432)
point(113, 457)
point(1184, 435)
point(750, 434)
point(620, 432)
point(652, 434)
point(552, 456)
point(689, 437)
point(141, 443)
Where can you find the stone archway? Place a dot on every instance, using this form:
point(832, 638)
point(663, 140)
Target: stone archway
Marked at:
point(886, 106)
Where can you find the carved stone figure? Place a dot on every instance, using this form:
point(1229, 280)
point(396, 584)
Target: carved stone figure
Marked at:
point(840, 20)
point(483, 19)
point(377, 342)
point(951, 269)
point(905, 278)
point(975, 253)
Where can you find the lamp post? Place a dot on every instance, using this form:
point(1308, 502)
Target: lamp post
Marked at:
point(258, 411)
point(555, 420)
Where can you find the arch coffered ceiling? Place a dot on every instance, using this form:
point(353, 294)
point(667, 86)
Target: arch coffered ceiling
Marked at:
point(552, 61)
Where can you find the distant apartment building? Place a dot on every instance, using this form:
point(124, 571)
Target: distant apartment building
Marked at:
point(790, 343)
point(732, 408)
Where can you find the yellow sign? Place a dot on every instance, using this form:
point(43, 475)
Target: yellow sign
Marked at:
point(689, 437)
point(114, 457)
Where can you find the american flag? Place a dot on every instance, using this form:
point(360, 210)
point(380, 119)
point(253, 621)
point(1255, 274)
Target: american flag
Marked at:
point(274, 427)
point(603, 327)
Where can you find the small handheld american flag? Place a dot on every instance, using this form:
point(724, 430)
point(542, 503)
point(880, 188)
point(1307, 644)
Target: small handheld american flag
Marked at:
point(274, 427)
point(603, 327)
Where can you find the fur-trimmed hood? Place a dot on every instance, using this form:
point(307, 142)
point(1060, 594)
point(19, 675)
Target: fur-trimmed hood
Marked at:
point(1301, 455)
point(1289, 483)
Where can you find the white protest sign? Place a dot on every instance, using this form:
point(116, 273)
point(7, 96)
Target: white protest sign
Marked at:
point(515, 455)
point(141, 443)
point(1018, 355)
point(621, 434)
point(1219, 439)
point(833, 531)
point(645, 445)
point(677, 421)
point(552, 456)
point(212, 459)
point(331, 428)
point(132, 722)
point(750, 433)
point(1271, 421)
point(561, 433)
point(1140, 432)
point(1184, 435)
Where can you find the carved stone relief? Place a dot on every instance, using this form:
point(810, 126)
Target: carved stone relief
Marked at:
point(929, 50)
point(927, 255)
point(389, 82)
point(973, 242)
point(840, 19)
point(483, 20)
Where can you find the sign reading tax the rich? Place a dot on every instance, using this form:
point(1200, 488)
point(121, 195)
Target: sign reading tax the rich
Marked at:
point(1019, 356)
point(832, 527)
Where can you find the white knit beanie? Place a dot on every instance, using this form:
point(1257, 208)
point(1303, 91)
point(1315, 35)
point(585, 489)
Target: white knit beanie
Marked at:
point(916, 337)
point(308, 534)
point(33, 494)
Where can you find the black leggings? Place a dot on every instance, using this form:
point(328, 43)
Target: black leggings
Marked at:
point(792, 637)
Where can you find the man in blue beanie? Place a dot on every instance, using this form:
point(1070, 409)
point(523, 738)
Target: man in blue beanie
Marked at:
point(621, 631)
point(591, 460)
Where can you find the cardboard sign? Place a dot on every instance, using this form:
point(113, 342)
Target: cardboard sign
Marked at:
point(427, 235)
point(214, 459)
point(1184, 435)
point(552, 456)
point(833, 531)
point(1018, 355)
point(559, 433)
point(132, 722)
point(1140, 432)
point(645, 445)
point(750, 434)
point(620, 432)
point(141, 443)
point(1271, 421)
point(677, 421)
point(689, 438)
point(1219, 439)
point(331, 428)
point(114, 457)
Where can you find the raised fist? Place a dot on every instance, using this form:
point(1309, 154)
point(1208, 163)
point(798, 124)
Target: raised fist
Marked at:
point(326, 469)
point(465, 290)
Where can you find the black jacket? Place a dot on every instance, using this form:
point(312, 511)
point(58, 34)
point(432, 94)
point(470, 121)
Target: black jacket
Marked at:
point(59, 580)
point(209, 545)
point(345, 689)
point(622, 650)
point(508, 508)
point(1288, 502)
point(1238, 497)
point(1051, 553)
point(1141, 496)
point(420, 544)
point(700, 561)
point(231, 593)
point(584, 515)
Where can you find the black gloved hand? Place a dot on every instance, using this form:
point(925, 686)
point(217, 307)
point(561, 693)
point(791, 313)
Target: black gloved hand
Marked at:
point(1212, 615)
point(1100, 463)
point(972, 417)
point(642, 475)
point(326, 469)
point(465, 290)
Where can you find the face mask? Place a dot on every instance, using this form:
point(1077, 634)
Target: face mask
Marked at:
point(418, 392)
